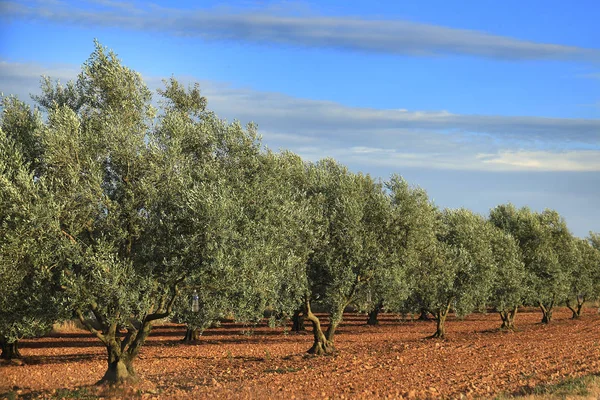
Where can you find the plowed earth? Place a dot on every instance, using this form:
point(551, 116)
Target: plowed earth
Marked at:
point(391, 360)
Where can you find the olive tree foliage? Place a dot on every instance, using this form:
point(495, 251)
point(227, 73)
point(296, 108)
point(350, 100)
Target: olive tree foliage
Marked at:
point(194, 202)
point(547, 250)
point(29, 236)
point(594, 240)
point(456, 272)
point(293, 226)
point(21, 125)
point(354, 211)
point(410, 230)
point(584, 276)
point(509, 288)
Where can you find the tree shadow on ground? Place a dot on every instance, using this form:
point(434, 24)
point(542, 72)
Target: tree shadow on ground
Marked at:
point(61, 359)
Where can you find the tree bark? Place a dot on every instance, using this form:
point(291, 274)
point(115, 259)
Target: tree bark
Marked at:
point(508, 319)
point(191, 335)
point(440, 318)
point(546, 312)
point(331, 331)
point(440, 326)
point(577, 309)
point(120, 367)
point(372, 320)
point(320, 345)
point(10, 350)
point(424, 316)
point(298, 321)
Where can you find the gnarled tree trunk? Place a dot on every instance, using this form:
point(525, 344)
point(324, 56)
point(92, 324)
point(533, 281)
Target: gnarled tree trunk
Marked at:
point(298, 321)
point(120, 367)
point(508, 318)
point(440, 319)
point(10, 350)
point(547, 312)
point(123, 350)
point(576, 310)
point(374, 314)
point(191, 335)
point(321, 344)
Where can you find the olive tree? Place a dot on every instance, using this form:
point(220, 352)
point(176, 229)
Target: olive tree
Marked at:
point(547, 250)
point(409, 231)
point(509, 288)
point(354, 209)
point(457, 271)
point(123, 184)
point(584, 283)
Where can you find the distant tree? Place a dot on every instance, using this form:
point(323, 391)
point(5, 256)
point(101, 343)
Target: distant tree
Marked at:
point(354, 211)
point(456, 273)
point(509, 285)
point(584, 283)
point(198, 315)
point(257, 262)
point(410, 229)
point(546, 247)
point(553, 277)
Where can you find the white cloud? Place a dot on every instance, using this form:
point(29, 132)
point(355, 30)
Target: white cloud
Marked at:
point(391, 139)
point(583, 160)
point(265, 26)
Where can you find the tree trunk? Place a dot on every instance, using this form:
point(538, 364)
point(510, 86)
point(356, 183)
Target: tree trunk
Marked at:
point(372, 320)
point(424, 315)
point(577, 309)
point(10, 350)
point(320, 345)
point(440, 318)
point(331, 330)
point(440, 326)
point(120, 367)
point(191, 335)
point(508, 319)
point(546, 312)
point(298, 321)
point(123, 350)
point(580, 306)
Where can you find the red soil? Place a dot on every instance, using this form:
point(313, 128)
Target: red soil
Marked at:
point(390, 360)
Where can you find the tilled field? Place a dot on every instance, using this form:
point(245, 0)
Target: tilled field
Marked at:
point(391, 360)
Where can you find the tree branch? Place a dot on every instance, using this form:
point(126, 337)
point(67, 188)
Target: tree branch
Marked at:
point(96, 312)
point(128, 339)
point(163, 314)
point(89, 326)
point(71, 238)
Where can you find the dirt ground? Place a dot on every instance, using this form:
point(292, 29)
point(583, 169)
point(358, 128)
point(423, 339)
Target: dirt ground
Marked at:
point(392, 360)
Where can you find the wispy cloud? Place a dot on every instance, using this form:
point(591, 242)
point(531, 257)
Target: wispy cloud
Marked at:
point(582, 160)
point(267, 26)
point(391, 139)
point(336, 119)
point(467, 159)
point(593, 75)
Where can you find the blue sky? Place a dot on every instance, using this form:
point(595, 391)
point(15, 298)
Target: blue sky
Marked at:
point(479, 102)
